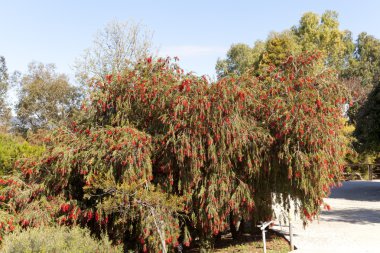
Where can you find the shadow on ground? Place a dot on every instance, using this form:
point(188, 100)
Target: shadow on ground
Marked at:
point(356, 216)
point(358, 191)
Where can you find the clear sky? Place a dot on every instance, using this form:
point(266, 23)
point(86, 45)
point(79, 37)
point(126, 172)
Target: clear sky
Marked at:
point(198, 32)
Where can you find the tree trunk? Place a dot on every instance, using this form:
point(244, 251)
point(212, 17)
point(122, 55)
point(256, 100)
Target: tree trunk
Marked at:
point(233, 228)
point(206, 243)
point(262, 211)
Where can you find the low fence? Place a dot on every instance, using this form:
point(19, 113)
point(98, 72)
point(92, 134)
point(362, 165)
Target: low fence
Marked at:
point(363, 171)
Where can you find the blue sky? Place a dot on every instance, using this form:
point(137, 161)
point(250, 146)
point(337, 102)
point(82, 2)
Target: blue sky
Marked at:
point(197, 31)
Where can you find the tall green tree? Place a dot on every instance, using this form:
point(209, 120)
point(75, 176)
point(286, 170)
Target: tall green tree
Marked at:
point(46, 98)
point(363, 73)
point(367, 118)
point(278, 47)
point(240, 58)
point(5, 112)
point(322, 33)
point(314, 32)
point(366, 61)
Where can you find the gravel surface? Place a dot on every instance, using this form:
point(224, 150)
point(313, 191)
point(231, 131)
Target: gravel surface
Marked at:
point(352, 224)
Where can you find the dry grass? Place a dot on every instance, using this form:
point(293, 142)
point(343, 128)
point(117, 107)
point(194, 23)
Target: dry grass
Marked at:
point(251, 244)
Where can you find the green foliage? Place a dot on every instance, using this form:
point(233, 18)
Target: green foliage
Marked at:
point(4, 108)
point(240, 58)
point(13, 148)
point(278, 47)
point(46, 98)
point(323, 34)
point(313, 33)
point(367, 129)
point(56, 239)
point(366, 61)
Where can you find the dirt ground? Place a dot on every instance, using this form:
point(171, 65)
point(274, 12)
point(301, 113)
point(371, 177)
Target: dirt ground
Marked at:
point(352, 224)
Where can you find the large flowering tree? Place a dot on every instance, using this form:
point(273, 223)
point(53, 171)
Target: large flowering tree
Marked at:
point(156, 151)
point(302, 105)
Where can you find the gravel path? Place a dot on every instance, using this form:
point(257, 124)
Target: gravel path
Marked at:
point(352, 225)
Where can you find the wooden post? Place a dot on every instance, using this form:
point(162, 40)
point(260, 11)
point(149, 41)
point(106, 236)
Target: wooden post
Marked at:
point(369, 172)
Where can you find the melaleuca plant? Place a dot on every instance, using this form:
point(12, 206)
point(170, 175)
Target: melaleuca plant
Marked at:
point(302, 105)
point(99, 177)
point(156, 150)
point(207, 145)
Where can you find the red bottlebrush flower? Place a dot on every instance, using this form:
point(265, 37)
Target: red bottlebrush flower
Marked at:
point(307, 214)
point(241, 95)
point(89, 215)
point(319, 103)
point(168, 240)
point(109, 78)
point(149, 60)
point(290, 59)
point(25, 222)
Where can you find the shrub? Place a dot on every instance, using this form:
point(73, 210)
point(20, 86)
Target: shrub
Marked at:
point(56, 239)
point(13, 148)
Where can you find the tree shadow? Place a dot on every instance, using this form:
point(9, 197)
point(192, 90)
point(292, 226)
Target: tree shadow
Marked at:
point(355, 216)
point(357, 190)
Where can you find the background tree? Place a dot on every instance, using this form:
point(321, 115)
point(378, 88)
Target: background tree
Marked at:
point(278, 47)
point(322, 33)
point(5, 112)
point(363, 72)
point(116, 47)
point(46, 98)
point(366, 61)
point(313, 32)
point(240, 58)
point(367, 129)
